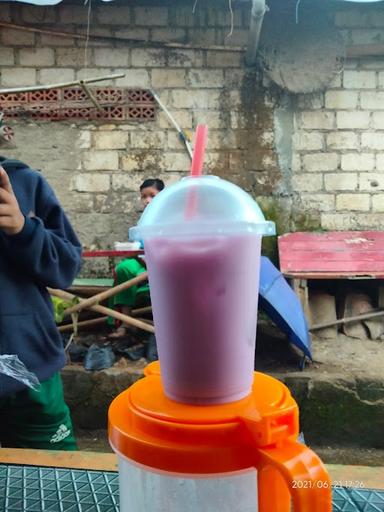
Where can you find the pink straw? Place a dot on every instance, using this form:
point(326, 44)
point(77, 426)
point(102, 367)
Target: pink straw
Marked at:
point(196, 168)
point(199, 150)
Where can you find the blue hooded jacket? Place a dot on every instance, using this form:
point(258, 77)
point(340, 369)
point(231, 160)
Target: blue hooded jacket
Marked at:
point(45, 253)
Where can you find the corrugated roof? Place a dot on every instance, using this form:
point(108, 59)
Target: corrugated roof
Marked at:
point(41, 2)
point(362, 1)
point(54, 2)
point(36, 2)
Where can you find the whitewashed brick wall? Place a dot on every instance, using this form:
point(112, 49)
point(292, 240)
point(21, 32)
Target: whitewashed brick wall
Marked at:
point(108, 161)
point(336, 177)
point(338, 149)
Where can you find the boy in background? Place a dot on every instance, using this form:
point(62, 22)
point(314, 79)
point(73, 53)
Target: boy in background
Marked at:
point(132, 267)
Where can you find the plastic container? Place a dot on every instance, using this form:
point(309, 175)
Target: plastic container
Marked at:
point(236, 457)
point(202, 239)
point(126, 246)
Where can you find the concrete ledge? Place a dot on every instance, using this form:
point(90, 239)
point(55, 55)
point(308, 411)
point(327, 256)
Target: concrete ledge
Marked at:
point(89, 394)
point(334, 409)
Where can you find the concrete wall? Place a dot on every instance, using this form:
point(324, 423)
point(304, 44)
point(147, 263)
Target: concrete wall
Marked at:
point(313, 160)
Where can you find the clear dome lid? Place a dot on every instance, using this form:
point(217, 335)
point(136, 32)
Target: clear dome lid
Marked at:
point(201, 205)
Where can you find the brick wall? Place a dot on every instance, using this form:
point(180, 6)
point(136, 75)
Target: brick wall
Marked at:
point(99, 176)
point(338, 157)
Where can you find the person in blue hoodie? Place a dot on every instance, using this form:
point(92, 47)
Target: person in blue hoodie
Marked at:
point(38, 249)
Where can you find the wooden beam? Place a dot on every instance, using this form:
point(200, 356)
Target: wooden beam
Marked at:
point(91, 96)
point(365, 50)
point(59, 459)
point(139, 311)
point(369, 477)
point(61, 85)
point(126, 40)
point(348, 319)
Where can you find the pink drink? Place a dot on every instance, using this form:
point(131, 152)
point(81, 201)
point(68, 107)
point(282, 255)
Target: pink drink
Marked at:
point(204, 292)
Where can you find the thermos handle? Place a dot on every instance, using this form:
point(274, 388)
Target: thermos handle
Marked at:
point(300, 469)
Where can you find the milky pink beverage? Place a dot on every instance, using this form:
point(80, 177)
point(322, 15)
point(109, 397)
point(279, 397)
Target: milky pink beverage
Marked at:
point(204, 293)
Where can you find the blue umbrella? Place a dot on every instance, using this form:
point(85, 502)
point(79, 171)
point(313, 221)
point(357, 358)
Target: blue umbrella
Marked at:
point(281, 304)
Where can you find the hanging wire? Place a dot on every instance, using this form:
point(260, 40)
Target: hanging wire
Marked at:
point(297, 10)
point(231, 12)
point(87, 33)
point(194, 6)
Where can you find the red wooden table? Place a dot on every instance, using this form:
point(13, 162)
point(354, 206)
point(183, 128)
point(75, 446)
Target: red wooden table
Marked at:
point(92, 285)
point(330, 255)
point(112, 253)
point(336, 255)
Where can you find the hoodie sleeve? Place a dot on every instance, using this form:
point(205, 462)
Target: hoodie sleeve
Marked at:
point(47, 247)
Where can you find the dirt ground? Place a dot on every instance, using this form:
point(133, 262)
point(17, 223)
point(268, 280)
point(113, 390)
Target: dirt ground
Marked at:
point(341, 355)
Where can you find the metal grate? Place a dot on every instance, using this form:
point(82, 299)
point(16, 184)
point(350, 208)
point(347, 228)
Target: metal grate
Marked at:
point(357, 500)
point(73, 103)
point(35, 489)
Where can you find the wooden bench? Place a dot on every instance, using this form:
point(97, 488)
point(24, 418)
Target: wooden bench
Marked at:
point(90, 286)
point(330, 255)
point(100, 290)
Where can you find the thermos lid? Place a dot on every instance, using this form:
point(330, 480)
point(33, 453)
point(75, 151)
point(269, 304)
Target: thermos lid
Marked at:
point(150, 429)
point(152, 368)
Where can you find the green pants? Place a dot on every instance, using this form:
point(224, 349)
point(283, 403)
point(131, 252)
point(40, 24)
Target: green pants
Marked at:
point(128, 269)
point(37, 419)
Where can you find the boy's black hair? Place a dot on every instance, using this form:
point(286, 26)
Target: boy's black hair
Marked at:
point(153, 182)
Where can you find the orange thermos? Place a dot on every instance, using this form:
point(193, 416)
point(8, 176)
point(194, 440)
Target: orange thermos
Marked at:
point(240, 456)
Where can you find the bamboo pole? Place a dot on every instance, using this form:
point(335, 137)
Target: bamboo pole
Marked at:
point(181, 133)
point(348, 319)
point(24, 28)
point(105, 311)
point(86, 303)
point(96, 37)
point(91, 96)
point(355, 51)
point(84, 323)
point(149, 322)
point(60, 85)
point(139, 311)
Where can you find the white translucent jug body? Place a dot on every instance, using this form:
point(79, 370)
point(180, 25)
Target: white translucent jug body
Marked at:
point(143, 490)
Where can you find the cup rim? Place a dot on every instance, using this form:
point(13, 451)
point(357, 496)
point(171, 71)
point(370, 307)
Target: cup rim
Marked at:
point(265, 228)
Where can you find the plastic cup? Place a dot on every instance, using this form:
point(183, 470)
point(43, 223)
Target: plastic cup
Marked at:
point(203, 271)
